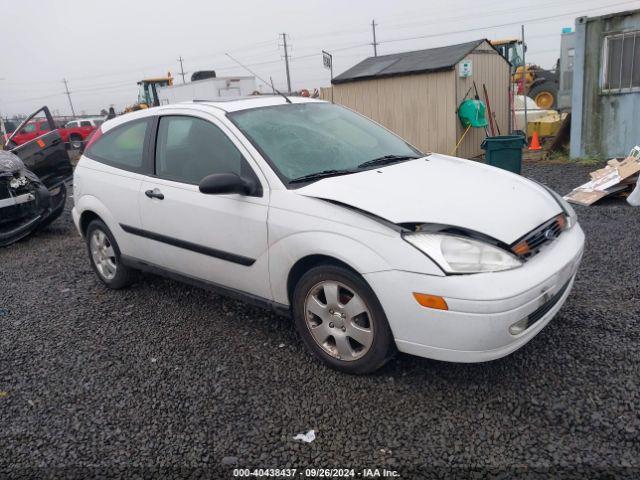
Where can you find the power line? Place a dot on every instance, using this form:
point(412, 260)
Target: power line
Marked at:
point(256, 45)
point(484, 13)
point(516, 22)
point(32, 99)
point(349, 47)
point(264, 44)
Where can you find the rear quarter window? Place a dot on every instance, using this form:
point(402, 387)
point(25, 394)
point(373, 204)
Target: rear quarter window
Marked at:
point(122, 147)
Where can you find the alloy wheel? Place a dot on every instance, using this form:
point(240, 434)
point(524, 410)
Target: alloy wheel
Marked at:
point(103, 254)
point(339, 320)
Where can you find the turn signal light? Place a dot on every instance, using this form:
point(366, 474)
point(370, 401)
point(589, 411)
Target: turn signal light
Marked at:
point(562, 222)
point(522, 248)
point(431, 301)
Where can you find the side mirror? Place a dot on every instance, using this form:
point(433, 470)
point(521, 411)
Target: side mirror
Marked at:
point(222, 183)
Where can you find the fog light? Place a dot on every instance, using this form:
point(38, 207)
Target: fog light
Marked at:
point(519, 327)
point(431, 301)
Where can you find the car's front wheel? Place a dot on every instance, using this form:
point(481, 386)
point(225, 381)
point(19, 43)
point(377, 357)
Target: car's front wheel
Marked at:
point(105, 256)
point(341, 320)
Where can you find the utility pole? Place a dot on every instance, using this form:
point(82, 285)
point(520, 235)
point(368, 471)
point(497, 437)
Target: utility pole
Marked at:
point(375, 44)
point(524, 91)
point(181, 69)
point(286, 61)
point(66, 87)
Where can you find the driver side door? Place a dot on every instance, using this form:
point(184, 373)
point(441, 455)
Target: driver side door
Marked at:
point(220, 239)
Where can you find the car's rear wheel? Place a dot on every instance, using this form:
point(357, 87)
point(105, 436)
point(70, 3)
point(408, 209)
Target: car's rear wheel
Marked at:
point(104, 255)
point(341, 321)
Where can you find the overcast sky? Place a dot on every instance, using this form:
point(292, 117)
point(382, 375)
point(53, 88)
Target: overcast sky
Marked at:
point(103, 48)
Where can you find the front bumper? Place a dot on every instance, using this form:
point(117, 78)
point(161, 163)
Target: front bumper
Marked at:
point(23, 214)
point(482, 307)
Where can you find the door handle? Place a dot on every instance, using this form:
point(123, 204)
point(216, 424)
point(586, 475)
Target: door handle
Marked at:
point(155, 193)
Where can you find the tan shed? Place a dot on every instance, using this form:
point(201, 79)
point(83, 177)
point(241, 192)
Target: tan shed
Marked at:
point(417, 94)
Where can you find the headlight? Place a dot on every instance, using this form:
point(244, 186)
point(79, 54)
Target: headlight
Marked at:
point(572, 216)
point(569, 212)
point(462, 255)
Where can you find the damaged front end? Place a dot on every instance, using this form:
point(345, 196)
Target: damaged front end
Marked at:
point(25, 202)
point(33, 179)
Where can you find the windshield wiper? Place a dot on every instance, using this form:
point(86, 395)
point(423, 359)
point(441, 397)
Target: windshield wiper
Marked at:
point(322, 174)
point(387, 159)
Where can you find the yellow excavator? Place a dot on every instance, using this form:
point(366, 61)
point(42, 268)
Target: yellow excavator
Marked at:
point(540, 84)
point(148, 93)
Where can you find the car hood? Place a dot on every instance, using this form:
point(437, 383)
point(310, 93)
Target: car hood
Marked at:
point(444, 190)
point(10, 164)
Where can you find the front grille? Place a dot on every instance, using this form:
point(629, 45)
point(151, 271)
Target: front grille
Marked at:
point(531, 243)
point(547, 306)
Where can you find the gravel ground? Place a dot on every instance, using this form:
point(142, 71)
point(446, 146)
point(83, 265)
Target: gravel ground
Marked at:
point(171, 378)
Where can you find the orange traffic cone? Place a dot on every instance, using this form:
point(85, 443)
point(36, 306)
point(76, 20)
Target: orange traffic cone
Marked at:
point(535, 142)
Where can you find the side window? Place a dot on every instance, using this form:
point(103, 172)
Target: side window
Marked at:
point(29, 128)
point(121, 147)
point(44, 127)
point(71, 125)
point(85, 123)
point(190, 148)
point(620, 67)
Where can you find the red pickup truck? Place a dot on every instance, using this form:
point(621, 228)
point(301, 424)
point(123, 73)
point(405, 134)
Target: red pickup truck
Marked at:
point(73, 134)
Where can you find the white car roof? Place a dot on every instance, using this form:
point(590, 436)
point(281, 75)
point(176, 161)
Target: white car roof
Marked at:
point(234, 104)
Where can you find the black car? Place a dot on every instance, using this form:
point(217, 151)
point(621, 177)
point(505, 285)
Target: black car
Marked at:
point(33, 191)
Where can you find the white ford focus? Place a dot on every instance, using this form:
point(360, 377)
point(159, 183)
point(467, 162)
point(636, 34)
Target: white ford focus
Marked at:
point(319, 213)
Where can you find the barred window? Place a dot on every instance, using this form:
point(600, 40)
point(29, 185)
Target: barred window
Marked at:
point(621, 62)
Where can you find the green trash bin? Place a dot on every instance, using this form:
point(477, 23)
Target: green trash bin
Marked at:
point(504, 151)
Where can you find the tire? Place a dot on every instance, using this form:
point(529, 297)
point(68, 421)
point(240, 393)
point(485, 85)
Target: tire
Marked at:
point(75, 142)
point(542, 92)
point(340, 349)
point(112, 272)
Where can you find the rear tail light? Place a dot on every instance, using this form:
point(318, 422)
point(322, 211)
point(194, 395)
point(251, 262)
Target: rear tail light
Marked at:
point(97, 133)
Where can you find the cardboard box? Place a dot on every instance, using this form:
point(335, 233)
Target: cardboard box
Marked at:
point(615, 177)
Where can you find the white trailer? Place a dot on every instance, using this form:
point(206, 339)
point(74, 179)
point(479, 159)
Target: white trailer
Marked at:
point(208, 89)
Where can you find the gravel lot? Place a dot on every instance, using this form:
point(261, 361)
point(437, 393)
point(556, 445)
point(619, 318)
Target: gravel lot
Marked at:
point(166, 376)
